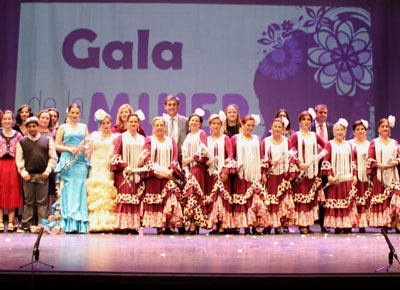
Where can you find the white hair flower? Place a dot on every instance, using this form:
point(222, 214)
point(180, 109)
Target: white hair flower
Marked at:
point(365, 123)
point(199, 112)
point(342, 122)
point(222, 116)
point(392, 121)
point(140, 115)
point(312, 113)
point(100, 115)
point(256, 119)
point(285, 122)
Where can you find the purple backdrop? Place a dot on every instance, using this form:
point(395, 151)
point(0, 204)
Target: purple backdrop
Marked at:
point(279, 85)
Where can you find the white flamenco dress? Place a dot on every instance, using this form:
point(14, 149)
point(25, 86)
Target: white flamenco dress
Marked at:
point(101, 192)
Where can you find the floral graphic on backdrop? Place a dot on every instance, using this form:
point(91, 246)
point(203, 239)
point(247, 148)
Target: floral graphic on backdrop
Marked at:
point(341, 52)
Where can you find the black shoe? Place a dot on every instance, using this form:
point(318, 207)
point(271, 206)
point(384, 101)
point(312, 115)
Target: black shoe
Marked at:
point(347, 231)
point(338, 231)
point(214, 232)
point(256, 231)
point(266, 231)
point(278, 231)
point(169, 231)
point(182, 230)
point(309, 231)
point(133, 232)
point(303, 230)
point(285, 230)
point(235, 231)
point(361, 230)
point(325, 230)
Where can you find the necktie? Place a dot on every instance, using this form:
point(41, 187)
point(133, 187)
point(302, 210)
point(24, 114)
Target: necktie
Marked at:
point(171, 132)
point(321, 131)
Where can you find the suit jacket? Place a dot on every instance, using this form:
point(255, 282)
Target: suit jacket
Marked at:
point(183, 130)
point(329, 128)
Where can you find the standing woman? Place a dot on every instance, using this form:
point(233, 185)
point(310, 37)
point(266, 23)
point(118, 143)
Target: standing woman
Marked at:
point(287, 130)
point(383, 159)
point(73, 169)
point(54, 117)
point(161, 207)
point(45, 125)
point(340, 209)
point(128, 156)
point(231, 126)
point(360, 146)
point(307, 187)
point(121, 124)
point(220, 165)
point(248, 193)
point(23, 113)
point(101, 193)
point(10, 181)
point(46, 130)
point(277, 173)
point(194, 157)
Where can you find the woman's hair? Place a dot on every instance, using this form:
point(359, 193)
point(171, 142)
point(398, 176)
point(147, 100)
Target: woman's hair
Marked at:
point(278, 120)
point(158, 118)
point(45, 112)
point(4, 113)
point(357, 123)
point(195, 115)
point(121, 108)
point(237, 122)
point(382, 121)
point(246, 118)
point(18, 117)
point(74, 105)
point(304, 113)
point(133, 115)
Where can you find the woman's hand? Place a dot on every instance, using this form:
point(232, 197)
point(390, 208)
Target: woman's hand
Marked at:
point(304, 166)
point(187, 161)
point(224, 177)
point(264, 178)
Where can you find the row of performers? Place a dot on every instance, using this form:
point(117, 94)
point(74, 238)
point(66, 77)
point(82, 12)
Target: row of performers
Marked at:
point(238, 182)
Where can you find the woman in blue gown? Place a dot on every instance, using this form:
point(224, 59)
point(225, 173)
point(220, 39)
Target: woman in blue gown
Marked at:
point(72, 170)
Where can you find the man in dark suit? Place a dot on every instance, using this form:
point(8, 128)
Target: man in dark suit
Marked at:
point(325, 130)
point(177, 128)
point(320, 125)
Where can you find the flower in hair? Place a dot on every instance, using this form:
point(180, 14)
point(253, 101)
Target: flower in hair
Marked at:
point(365, 123)
point(140, 115)
point(392, 121)
point(285, 122)
point(222, 116)
point(312, 113)
point(100, 115)
point(199, 112)
point(256, 119)
point(342, 122)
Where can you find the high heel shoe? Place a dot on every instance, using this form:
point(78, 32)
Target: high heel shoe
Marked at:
point(266, 231)
point(247, 231)
point(195, 231)
point(303, 230)
point(278, 231)
point(256, 231)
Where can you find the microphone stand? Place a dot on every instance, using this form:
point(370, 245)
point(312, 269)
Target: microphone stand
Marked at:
point(392, 253)
point(36, 252)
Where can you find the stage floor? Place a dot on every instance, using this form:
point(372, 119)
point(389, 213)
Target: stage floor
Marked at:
point(148, 255)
